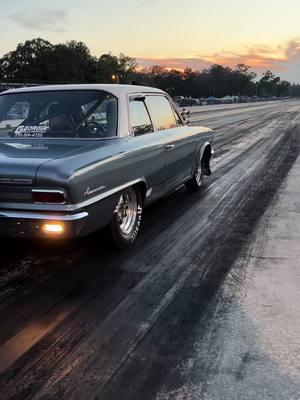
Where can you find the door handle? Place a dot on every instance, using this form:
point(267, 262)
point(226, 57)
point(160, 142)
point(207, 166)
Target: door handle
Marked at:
point(169, 147)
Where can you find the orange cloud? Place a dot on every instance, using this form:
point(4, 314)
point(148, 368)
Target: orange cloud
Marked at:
point(254, 59)
point(196, 63)
point(260, 58)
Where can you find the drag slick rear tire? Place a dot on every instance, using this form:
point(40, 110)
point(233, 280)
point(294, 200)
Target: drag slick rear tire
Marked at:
point(127, 217)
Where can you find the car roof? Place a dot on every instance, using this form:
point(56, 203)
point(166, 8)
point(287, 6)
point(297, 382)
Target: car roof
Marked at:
point(114, 89)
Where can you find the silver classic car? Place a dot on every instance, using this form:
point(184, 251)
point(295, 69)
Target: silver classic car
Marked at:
point(76, 158)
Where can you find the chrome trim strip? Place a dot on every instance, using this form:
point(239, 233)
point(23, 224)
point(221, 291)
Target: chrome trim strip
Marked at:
point(49, 191)
point(42, 216)
point(108, 193)
point(71, 207)
point(15, 181)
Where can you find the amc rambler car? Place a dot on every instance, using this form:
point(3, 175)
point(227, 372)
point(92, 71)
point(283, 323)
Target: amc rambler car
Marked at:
point(77, 158)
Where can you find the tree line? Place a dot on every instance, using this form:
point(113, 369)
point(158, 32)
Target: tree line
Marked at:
point(39, 61)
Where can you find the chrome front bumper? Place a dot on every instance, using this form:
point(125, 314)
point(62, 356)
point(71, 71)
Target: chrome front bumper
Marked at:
point(29, 224)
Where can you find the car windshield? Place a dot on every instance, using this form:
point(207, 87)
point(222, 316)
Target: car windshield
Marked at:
point(58, 114)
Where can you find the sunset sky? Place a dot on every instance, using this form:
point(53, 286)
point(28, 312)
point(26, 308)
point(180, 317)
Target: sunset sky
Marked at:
point(262, 33)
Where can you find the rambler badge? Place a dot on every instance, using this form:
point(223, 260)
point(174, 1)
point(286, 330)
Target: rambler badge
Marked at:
point(89, 191)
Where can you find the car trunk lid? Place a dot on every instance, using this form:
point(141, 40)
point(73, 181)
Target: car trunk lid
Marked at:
point(19, 160)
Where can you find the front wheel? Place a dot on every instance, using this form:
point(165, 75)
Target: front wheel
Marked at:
point(127, 217)
point(197, 180)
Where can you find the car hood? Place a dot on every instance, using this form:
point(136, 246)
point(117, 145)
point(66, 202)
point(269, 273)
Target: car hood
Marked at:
point(20, 160)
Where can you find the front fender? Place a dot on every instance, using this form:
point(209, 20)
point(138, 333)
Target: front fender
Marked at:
point(203, 148)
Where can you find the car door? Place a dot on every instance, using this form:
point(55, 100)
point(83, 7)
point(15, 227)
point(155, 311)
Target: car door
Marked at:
point(148, 147)
point(181, 143)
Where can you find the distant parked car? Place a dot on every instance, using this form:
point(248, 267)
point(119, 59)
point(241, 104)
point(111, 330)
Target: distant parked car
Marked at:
point(89, 156)
point(228, 99)
point(244, 99)
point(178, 99)
point(189, 102)
point(212, 100)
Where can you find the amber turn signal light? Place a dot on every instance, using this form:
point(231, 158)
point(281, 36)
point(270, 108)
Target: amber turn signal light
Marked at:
point(56, 228)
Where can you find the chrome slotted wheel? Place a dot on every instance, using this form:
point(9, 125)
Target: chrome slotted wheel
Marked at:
point(127, 211)
point(126, 220)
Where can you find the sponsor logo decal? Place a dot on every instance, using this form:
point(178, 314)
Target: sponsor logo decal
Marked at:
point(30, 131)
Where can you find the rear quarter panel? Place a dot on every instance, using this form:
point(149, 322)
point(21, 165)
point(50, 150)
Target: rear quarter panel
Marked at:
point(85, 176)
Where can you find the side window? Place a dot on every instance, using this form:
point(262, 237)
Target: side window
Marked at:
point(161, 112)
point(140, 122)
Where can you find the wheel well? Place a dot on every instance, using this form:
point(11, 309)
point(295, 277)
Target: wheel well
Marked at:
point(143, 189)
point(205, 160)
